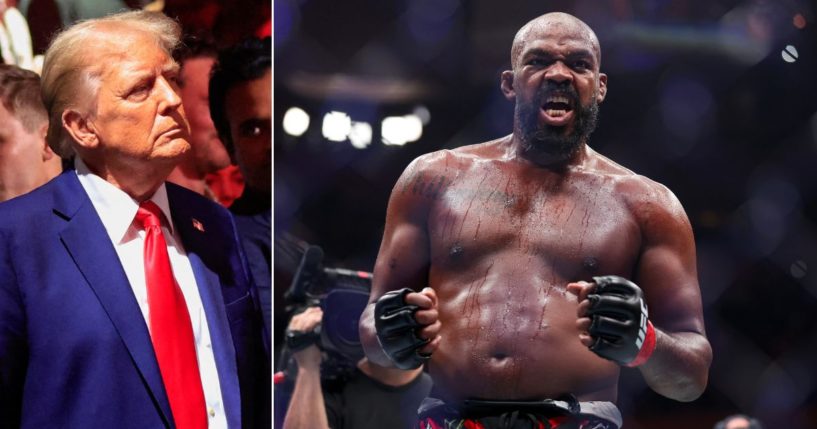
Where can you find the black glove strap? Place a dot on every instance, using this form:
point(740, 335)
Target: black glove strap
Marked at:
point(396, 330)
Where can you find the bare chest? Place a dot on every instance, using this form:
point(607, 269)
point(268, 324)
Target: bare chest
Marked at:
point(576, 225)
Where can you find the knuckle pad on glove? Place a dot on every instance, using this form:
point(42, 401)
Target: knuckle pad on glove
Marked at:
point(615, 285)
point(617, 314)
point(600, 344)
point(398, 321)
point(615, 307)
point(617, 290)
point(607, 326)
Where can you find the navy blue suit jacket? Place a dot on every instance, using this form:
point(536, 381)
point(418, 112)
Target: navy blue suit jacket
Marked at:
point(75, 351)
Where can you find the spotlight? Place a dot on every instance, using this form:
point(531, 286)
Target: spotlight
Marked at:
point(399, 130)
point(789, 54)
point(336, 126)
point(799, 21)
point(422, 112)
point(296, 121)
point(360, 135)
point(413, 127)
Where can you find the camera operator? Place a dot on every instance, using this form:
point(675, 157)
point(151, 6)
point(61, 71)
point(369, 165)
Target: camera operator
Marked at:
point(371, 397)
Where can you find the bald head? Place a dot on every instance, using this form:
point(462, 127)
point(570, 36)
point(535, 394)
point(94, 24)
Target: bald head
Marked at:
point(552, 25)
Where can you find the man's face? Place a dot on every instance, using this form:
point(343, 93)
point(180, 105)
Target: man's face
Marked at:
point(248, 106)
point(21, 156)
point(208, 151)
point(558, 89)
point(139, 115)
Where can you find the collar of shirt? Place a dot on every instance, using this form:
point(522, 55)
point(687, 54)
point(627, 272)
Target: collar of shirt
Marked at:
point(116, 209)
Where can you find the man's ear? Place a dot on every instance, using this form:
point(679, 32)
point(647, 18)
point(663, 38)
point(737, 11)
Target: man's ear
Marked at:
point(506, 84)
point(47, 152)
point(80, 128)
point(602, 88)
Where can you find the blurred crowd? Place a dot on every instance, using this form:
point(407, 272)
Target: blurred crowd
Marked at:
point(224, 88)
point(232, 167)
point(25, 30)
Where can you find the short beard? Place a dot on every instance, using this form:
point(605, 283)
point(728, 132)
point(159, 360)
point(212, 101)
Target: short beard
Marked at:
point(550, 142)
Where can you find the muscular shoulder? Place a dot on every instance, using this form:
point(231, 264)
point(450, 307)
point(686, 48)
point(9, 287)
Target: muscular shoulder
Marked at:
point(430, 174)
point(649, 201)
point(449, 159)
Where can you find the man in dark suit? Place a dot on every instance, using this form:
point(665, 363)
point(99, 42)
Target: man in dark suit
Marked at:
point(124, 301)
point(241, 109)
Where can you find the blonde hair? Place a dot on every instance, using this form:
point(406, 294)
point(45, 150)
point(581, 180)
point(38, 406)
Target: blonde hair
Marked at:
point(72, 66)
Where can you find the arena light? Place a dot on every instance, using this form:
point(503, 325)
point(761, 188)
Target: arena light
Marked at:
point(422, 112)
point(296, 121)
point(391, 129)
point(789, 54)
point(799, 21)
point(413, 127)
point(360, 135)
point(336, 126)
point(399, 130)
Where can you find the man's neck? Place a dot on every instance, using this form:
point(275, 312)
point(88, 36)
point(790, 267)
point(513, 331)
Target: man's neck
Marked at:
point(388, 376)
point(139, 182)
point(516, 150)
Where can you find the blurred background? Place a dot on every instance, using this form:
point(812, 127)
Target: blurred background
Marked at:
point(716, 99)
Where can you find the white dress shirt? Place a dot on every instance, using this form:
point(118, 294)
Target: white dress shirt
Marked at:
point(117, 211)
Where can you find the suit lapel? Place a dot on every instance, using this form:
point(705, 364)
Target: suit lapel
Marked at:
point(207, 257)
point(89, 246)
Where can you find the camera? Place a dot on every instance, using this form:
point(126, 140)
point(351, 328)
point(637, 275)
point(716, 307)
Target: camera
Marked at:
point(342, 295)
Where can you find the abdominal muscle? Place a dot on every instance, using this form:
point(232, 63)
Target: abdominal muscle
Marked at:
point(514, 341)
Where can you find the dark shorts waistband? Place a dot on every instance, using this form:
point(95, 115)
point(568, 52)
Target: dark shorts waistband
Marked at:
point(563, 413)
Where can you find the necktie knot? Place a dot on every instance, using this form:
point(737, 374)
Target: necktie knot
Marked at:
point(149, 214)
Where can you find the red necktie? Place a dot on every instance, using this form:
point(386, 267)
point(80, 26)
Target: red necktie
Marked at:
point(170, 329)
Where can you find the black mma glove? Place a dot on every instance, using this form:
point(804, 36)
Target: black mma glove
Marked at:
point(396, 330)
point(618, 321)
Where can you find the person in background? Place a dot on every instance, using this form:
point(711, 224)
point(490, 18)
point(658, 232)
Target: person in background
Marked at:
point(125, 301)
point(26, 161)
point(208, 155)
point(371, 397)
point(15, 38)
point(241, 109)
point(226, 184)
point(739, 421)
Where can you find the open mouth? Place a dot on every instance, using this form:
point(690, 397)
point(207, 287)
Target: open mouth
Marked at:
point(557, 110)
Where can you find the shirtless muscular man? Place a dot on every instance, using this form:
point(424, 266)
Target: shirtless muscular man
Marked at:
point(522, 269)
